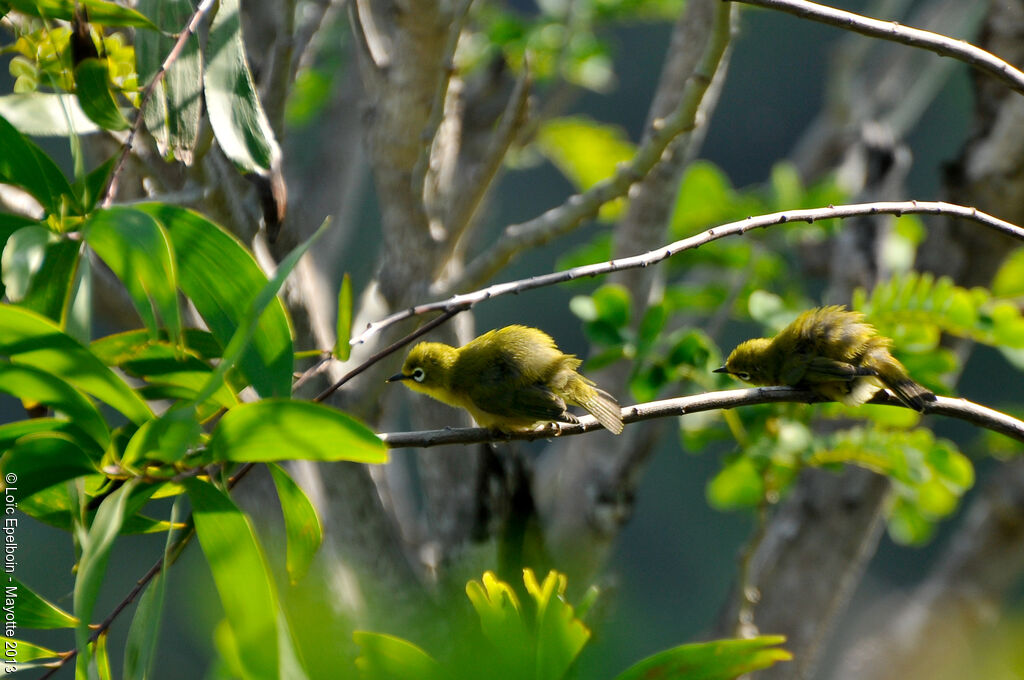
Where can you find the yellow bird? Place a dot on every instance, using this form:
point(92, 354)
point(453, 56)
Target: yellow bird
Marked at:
point(511, 379)
point(832, 352)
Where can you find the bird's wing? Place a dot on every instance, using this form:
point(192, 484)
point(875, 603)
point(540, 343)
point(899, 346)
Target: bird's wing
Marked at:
point(499, 387)
point(823, 369)
point(522, 401)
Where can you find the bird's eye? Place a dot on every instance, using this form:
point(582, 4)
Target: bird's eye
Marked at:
point(418, 374)
point(743, 375)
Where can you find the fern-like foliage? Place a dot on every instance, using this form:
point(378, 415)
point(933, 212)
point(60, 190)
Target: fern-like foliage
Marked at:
point(914, 309)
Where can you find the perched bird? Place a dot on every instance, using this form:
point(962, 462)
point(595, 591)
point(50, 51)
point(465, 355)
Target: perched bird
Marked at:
point(832, 352)
point(509, 379)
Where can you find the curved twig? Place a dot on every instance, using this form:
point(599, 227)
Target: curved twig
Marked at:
point(961, 409)
point(464, 301)
point(190, 28)
point(567, 216)
point(891, 30)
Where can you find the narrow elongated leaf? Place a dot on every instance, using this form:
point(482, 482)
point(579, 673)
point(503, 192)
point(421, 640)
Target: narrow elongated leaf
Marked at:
point(33, 385)
point(24, 165)
point(30, 339)
point(301, 523)
point(241, 575)
point(92, 85)
point(93, 566)
point(101, 658)
point(99, 11)
point(236, 115)
point(42, 460)
point(248, 326)
point(46, 114)
point(173, 111)
point(140, 648)
point(222, 279)
point(137, 249)
point(718, 660)
point(386, 657)
point(27, 653)
point(160, 363)
point(342, 350)
point(35, 612)
point(12, 432)
point(281, 429)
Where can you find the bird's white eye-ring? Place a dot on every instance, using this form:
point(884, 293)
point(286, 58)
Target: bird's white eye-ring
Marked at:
point(743, 376)
point(418, 374)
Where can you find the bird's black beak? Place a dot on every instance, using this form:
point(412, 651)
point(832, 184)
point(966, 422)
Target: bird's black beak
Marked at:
point(721, 369)
point(398, 376)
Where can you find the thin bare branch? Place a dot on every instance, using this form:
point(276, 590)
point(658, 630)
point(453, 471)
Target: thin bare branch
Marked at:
point(566, 217)
point(961, 409)
point(891, 30)
point(186, 33)
point(467, 300)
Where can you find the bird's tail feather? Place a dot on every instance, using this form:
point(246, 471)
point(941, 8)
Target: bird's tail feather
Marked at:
point(603, 406)
point(895, 377)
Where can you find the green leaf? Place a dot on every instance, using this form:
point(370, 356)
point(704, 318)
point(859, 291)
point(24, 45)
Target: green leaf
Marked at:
point(705, 198)
point(281, 429)
point(301, 523)
point(247, 328)
point(173, 111)
point(35, 386)
point(27, 653)
point(162, 364)
point(137, 249)
point(167, 439)
point(386, 657)
point(241, 575)
point(99, 11)
point(236, 115)
point(222, 279)
point(503, 625)
point(35, 612)
point(560, 635)
point(92, 566)
point(613, 304)
point(716, 660)
point(907, 525)
point(29, 339)
point(92, 85)
point(41, 460)
point(12, 432)
point(737, 485)
point(586, 152)
point(342, 350)
point(46, 114)
point(39, 270)
point(140, 648)
point(1009, 280)
point(24, 165)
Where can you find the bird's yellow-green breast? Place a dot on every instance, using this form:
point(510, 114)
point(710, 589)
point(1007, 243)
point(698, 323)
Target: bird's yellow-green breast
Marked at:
point(831, 351)
point(508, 379)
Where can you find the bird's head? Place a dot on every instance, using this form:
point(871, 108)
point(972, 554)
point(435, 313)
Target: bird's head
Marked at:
point(428, 367)
point(750, 362)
